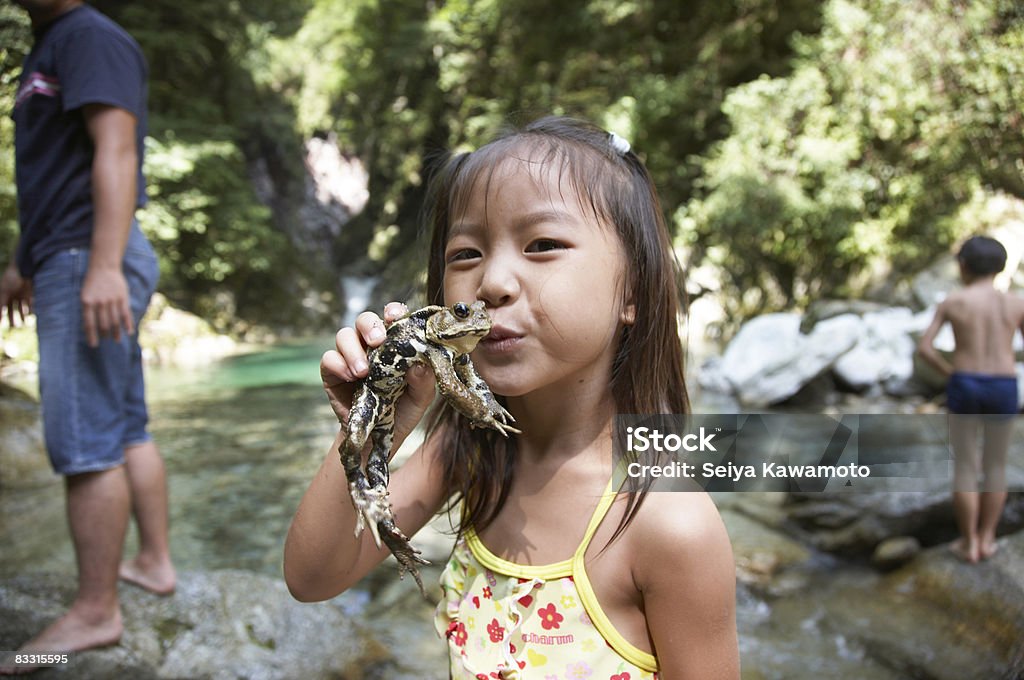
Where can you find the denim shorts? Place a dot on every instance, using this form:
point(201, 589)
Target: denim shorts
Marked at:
point(93, 398)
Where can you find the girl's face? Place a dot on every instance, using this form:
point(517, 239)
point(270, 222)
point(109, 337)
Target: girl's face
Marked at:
point(550, 274)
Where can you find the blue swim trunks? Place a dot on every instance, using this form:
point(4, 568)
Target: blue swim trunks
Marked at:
point(978, 393)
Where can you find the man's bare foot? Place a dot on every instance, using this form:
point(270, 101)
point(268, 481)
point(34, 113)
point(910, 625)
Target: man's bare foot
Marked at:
point(158, 578)
point(988, 549)
point(73, 632)
point(964, 550)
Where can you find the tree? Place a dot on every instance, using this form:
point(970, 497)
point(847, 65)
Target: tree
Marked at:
point(856, 164)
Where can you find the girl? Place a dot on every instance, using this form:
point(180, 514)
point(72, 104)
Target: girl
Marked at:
point(555, 574)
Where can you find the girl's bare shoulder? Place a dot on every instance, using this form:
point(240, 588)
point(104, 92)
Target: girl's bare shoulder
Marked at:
point(680, 528)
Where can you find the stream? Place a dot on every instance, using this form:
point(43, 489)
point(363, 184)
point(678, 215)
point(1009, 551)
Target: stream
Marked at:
point(242, 438)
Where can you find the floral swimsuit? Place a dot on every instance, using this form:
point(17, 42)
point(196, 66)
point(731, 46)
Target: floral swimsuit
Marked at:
point(520, 622)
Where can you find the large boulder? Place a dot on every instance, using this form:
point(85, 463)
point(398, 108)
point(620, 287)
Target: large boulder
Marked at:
point(169, 335)
point(940, 618)
point(854, 523)
point(221, 624)
point(884, 350)
point(769, 360)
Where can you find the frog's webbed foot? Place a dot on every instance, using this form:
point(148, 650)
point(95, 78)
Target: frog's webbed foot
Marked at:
point(502, 420)
point(398, 543)
point(372, 508)
point(469, 394)
point(496, 418)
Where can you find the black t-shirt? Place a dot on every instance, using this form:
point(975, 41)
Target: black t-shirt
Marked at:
point(80, 58)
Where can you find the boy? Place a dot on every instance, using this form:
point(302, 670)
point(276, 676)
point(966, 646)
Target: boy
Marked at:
point(982, 381)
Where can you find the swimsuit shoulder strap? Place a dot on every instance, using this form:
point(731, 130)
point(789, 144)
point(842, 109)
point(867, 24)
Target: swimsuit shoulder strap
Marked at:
point(603, 505)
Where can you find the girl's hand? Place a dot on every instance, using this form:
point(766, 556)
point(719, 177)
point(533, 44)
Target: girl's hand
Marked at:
point(342, 368)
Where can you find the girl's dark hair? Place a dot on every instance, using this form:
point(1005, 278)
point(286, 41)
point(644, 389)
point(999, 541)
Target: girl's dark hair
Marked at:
point(647, 372)
point(982, 256)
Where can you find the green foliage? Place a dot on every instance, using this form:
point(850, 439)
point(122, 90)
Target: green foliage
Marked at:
point(804, 148)
point(210, 119)
point(400, 81)
point(213, 238)
point(15, 41)
point(212, 115)
point(856, 163)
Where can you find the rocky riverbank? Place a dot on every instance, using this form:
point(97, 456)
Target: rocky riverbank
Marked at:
point(847, 585)
point(810, 358)
point(221, 624)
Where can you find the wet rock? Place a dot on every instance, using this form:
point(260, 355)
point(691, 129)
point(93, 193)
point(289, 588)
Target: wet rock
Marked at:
point(23, 460)
point(222, 624)
point(854, 524)
point(765, 557)
point(895, 552)
point(940, 618)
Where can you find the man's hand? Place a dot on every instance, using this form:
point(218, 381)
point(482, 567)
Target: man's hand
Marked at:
point(15, 295)
point(105, 305)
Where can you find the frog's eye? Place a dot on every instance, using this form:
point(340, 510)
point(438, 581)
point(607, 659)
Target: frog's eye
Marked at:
point(461, 310)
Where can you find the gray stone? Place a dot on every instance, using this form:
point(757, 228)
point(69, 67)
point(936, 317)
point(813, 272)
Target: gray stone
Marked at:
point(883, 351)
point(933, 284)
point(853, 524)
point(895, 552)
point(222, 624)
point(23, 461)
point(940, 618)
point(769, 360)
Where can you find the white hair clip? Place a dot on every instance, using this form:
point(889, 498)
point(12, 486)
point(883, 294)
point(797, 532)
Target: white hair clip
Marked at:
point(620, 145)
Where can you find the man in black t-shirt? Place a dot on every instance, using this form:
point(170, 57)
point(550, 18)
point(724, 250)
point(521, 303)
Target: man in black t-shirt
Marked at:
point(88, 273)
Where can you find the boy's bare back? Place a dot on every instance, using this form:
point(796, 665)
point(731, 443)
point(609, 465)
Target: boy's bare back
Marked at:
point(984, 321)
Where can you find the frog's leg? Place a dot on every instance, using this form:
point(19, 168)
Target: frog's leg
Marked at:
point(386, 528)
point(379, 514)
point(361, 420)
point(408, 557)
point(468, 401)
point(466, 371)
point(378, 508)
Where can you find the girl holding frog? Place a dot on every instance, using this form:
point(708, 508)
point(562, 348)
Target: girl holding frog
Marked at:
point(556, 573)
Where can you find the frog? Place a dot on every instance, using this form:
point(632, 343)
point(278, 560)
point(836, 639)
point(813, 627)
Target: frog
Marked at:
point(442, 338)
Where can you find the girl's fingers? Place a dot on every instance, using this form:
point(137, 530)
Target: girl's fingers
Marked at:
point(333, 369)
point(352, 352)
point(393, 311)
point(342, 368)
point(370, 328)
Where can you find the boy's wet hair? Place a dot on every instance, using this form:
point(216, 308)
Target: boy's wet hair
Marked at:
point(613, 185)
point(981, 256)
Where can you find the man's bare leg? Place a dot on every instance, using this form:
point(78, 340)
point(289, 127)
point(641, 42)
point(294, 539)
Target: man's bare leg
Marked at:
point(963, 435)
point(151, 568)
point(98, 507)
